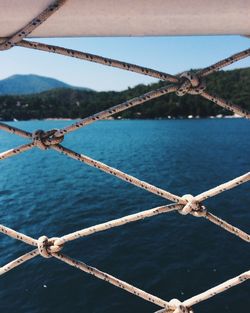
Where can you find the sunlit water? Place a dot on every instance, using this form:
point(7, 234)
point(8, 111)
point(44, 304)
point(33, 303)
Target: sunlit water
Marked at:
point(171, 256)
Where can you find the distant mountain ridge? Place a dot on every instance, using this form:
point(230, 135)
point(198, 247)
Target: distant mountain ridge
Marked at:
point(30, 84)
point(71, 103)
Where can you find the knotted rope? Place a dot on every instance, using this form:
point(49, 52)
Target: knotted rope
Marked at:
point(44, 140)
point(47, 247)
point(179, 307)
point(32, 25)
point(192, 205)
point(192, 83)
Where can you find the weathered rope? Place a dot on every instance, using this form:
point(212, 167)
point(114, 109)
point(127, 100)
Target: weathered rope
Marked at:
point(16, 131)
point(112, 280)
point(98, 59)
point(17, 262)
point(192, 206)
point(218, 289)
point(17, 235)
point(223, 63)
point(116, 109)
point(223, 187)
point(226, 104)
point(179, 308)
point(186, 83)
point(226, 226)
point(44, 140)
point(16, 151)
point(32, 25)
point(150, 72)
point(186, 306)
point(190, 83)
point(119, 174)
point(117, 222)
point(44, 244)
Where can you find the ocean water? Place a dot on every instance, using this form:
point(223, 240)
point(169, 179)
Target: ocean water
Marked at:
point(170, 255)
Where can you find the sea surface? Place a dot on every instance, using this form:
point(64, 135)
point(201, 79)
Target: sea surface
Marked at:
point(170, 255)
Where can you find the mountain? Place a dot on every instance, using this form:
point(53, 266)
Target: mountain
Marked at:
point(30, 84)
point(232, 85)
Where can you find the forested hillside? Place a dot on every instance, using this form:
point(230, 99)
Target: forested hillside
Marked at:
point(232, 85)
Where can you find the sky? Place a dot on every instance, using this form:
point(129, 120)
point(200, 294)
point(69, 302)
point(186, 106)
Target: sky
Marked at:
point(168, 54)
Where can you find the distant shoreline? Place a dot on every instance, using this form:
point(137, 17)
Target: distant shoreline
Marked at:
point(135, 119)
point(65, 104)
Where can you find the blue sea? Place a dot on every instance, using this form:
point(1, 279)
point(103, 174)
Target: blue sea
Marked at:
point(170, 255)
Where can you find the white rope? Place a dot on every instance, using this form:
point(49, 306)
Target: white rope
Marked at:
point(117, 222)
point(218, 289)
point(119, 174)
point(112, 280)
point(185, 83)
point(223, 187)
point(98, 59)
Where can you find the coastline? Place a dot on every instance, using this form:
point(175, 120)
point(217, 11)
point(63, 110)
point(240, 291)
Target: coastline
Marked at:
point(119, 118)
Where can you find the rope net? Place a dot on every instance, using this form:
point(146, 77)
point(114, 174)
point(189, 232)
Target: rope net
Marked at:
point(185, 83)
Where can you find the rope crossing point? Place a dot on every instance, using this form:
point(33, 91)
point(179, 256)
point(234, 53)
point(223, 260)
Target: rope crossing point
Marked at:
point(186, 83)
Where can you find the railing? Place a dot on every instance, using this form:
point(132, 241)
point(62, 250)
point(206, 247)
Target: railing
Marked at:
point(186, 83)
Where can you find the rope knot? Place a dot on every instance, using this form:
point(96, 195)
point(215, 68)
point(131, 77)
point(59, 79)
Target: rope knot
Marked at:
point(44, 140)
point(200, 213)
point(176, 306)
point(190, 83)
point(179, 307)
point(46, 246)
point(191, 206)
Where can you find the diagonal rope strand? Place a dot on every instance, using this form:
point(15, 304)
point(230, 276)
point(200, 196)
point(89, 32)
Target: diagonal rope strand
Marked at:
point(145, 214)
point(98, 59)
point(225, 62)
point(117, 222)
point(223, 187)
point(217, 289)
point(16, 151)
point(135, 68)
point(228, 227)
point(32, 25)
point(117, 173)
point(112, 280)
point(117, 108)
point(15, 130)
point(226, 104)
point(20, 260)
point(17, 235)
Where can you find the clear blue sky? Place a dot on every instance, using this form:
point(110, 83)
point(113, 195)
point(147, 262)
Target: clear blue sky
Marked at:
point(170, 54)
